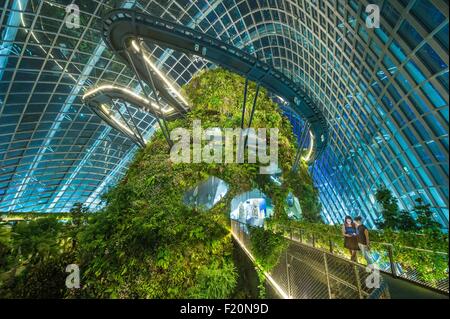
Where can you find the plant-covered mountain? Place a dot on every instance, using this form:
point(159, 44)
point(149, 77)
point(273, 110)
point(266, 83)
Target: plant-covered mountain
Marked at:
point(146, 243)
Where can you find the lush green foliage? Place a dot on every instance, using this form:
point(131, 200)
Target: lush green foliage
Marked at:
point(37, 239)
point(405, 233)
point(148, 236)
point(307, 193)
point(412, 250)
point(267, 247)
point(43, 279)
point(395, 219)
point(425, 221)
point(34, 263)
point(5, 245)
point(146, 243)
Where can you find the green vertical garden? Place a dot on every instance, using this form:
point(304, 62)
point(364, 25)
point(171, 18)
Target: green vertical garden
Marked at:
point(146, 243)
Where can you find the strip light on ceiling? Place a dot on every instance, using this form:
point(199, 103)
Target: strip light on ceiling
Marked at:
point(311, 147)
point(127, 92)
point(41, 47)
point(169, 85)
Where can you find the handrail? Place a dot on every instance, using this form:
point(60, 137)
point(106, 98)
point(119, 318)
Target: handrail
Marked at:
point(394, 264)
point(376, 242)
point(338, 271)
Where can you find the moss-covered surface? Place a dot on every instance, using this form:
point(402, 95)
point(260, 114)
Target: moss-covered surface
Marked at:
point(426, 253)
point(146, 243)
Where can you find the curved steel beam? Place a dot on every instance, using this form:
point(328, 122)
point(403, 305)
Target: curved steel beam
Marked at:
point(105, 93)
point(122, 26)
point(104, 113)
point(99, 98)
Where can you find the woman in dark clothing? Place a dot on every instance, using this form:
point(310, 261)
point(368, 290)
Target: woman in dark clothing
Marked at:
point(350, 237)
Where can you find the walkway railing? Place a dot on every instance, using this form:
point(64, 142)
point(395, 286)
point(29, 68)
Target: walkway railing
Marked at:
point(429, 268)
point(304, 272)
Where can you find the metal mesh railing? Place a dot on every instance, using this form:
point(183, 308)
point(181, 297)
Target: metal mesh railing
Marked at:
point(426, 267)
point(305, 272)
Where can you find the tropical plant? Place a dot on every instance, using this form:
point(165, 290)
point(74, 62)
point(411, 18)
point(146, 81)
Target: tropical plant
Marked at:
point(36, 240)
point(78, 214)
point(406, 222)
point(215, 281)
point(392, 217)
point(267, 247)
point(41, 280)
point(423, 252)
point(5, 245)
point(146, 243)
point(37, 258)
point(425, 217)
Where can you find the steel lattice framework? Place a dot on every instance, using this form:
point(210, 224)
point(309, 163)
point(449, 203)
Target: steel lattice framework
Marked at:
point(383, 93)
point(126, 32)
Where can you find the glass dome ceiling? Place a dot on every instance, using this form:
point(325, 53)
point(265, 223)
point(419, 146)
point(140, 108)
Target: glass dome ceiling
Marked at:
point(384, 93)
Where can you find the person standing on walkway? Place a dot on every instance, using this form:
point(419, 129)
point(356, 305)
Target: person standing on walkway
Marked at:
point(363, 239)
point(350, 238)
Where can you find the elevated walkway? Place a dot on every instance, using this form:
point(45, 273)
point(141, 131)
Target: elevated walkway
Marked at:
point(308, 272)
point(129, 34)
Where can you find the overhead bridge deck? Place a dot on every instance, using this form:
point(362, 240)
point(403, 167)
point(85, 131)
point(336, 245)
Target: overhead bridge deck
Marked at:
point(122, 26)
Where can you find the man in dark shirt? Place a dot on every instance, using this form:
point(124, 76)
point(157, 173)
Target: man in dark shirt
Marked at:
point(363, 239)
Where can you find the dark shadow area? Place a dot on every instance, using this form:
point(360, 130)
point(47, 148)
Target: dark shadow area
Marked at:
point(247, 283)
point(402, 289)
